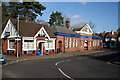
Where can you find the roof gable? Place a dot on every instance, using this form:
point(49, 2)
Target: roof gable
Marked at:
point(86, 29)
point(27, 29)
point(9, 30)
point(42, 33)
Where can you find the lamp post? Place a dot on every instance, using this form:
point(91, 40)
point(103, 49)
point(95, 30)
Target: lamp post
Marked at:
point(17, 35)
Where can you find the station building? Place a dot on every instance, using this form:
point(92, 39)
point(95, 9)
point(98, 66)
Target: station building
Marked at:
point(20, 38)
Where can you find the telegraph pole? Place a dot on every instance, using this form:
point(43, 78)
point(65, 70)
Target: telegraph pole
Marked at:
point(17, 34)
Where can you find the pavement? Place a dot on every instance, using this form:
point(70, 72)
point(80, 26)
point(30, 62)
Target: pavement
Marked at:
point(61, 55)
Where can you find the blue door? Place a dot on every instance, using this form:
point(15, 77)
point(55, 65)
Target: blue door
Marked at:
point(39, 52)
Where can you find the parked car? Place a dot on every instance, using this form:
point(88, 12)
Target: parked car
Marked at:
point(2, 59)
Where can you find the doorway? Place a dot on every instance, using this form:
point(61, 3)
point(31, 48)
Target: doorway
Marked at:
point(86, 45)
point(40, 48)
point(60, 46)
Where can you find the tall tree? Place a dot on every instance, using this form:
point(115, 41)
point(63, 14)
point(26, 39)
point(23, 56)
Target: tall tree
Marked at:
point(118, 30)
point(56, 19)
point(26, 10)
point(82, 23)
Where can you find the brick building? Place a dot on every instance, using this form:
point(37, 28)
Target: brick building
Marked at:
point(27, 39)
point(110, 39)
point(81, 39)
point(24, 38)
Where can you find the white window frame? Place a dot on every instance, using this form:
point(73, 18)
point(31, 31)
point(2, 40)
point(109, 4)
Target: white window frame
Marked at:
point(81, 42)
point(90, 43)
point(76, 42)
point(73, 43)
point(34, 42)
point(66, 42)
point(70, 42)
point(9, 46)
point(53, 44)
point(93, 42)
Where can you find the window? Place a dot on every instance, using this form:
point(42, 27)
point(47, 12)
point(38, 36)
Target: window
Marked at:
point(81, 43)
point(112, 44)
point(98, 44)
point(42, 34)
point(49, 44)
point(73, 43)
point(11, 44)
point(7, 34)
point(28, 44)
point(90, 43)
point(93, 43)
point(76, 42)
point(66, 42)
point(86, 29)
point(70, 43)
point(86, 44)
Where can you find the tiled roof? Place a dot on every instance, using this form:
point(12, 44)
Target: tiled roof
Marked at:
point(109, 34)
point(77, 29)
point(59, 29)
point(29, 29)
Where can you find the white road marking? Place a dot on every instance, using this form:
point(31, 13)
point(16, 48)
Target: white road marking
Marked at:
point(84, 57)
point(79, 58)
point(11, 62)
point(61, 70)
point(68, 60)
point(65, 74)
point(6, 64)
point(17, 61)
point(59, 62)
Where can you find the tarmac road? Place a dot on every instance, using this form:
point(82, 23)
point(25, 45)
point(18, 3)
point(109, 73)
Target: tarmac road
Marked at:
point(67, 67)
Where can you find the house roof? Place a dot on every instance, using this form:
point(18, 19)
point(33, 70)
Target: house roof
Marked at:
point(77, 29)
point(109, 34)
point(29, 29)
point(94, 35)
point(59, 29)
point(102, 34)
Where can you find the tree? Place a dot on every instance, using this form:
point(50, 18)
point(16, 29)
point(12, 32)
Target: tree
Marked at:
point(41, 21)
point(82, 23)
point(26, 10)
point(56, 19)
point(118, 30)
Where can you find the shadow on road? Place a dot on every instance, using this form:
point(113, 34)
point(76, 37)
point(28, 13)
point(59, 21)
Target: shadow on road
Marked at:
point(112, 57)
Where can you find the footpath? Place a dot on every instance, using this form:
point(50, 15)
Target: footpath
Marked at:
point(61, 55)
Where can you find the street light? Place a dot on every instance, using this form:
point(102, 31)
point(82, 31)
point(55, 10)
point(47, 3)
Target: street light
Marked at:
point(17, 38)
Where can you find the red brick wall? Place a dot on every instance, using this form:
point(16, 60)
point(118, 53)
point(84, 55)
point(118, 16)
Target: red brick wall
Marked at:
point(80, 44)
point(4, 46)
point(59, 38)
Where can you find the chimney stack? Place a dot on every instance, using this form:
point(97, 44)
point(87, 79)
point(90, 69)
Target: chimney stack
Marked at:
point(67, 24)
point(112, 32)
point(27, 20)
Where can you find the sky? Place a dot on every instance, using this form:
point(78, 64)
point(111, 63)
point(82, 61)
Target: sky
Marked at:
point(104, 15)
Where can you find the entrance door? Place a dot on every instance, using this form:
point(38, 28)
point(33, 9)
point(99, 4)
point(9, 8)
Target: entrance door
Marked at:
point(86, 45)
point(60, 46)
point(40, 48)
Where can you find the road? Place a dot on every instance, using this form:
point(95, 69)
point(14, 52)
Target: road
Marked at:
point(69, 67)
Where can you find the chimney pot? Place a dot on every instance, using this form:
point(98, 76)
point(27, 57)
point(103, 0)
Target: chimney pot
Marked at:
point(67, 24)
